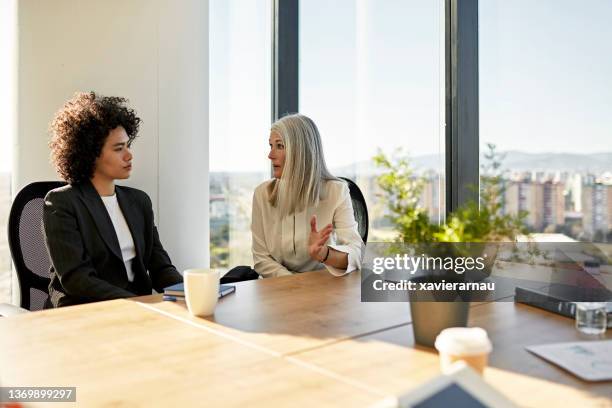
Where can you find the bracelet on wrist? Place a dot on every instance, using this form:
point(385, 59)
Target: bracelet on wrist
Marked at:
point(326, 256)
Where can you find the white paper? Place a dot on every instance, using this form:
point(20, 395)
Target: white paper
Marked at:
point(588, 360)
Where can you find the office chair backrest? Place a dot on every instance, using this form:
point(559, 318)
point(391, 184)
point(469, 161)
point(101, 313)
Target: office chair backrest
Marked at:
point(359, 208)
point(26, 240)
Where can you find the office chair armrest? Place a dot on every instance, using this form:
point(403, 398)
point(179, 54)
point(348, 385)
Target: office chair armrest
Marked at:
point(7, 310)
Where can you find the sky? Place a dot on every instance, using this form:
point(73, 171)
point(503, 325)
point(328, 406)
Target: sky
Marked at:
point(371, 76)
point(545, 75)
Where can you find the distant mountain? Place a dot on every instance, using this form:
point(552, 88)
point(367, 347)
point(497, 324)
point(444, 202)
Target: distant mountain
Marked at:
point(367, 167)
point(595, 163)
point(571, 162)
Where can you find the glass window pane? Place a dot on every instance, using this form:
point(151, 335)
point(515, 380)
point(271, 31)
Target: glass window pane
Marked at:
point(240, 112)
point(544, 103)
point(372, 77)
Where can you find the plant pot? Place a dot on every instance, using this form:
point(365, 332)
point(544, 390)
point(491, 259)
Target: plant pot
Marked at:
point(435, 310)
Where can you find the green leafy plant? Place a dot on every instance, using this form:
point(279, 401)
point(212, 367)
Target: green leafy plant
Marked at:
point(402, 189)
point(482, 221)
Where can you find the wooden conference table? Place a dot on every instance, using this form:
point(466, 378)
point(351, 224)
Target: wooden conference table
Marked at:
point(292, 341)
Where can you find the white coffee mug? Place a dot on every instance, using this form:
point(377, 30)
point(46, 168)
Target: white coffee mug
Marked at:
point(201, 290)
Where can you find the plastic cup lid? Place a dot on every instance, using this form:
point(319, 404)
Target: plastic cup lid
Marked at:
point(463, 341)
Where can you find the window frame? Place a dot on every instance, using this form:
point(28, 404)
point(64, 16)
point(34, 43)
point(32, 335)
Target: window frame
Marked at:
point(461, 85)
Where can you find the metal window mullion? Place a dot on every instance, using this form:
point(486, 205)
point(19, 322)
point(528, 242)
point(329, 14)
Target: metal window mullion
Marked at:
point(285, 62)
point(462, 121)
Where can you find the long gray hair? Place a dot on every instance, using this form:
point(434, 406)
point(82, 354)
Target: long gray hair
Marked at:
point(304, 171)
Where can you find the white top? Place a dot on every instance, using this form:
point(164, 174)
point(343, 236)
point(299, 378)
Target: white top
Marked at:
point(280, 246)
point(126, 242)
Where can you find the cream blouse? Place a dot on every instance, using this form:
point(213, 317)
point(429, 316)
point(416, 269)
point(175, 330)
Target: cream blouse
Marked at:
point(280, 246)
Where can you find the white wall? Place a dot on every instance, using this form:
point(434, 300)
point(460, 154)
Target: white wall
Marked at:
point(8, 72)
point(183, 122)
point(155, 53)
point(8, 123)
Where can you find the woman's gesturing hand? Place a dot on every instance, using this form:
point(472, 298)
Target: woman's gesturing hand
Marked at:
point(317, 240)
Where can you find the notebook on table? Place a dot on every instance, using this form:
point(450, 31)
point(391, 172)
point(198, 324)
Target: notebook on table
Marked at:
point(178, 291)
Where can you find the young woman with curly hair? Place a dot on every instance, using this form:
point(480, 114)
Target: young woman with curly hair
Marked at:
point(101, 237)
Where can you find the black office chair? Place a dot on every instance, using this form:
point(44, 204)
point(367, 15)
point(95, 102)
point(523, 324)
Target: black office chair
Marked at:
point(26, 240)
point(360, 209)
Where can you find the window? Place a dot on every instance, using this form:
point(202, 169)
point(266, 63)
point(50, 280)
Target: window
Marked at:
point(372, 77)
point(240, 112)
point(544, 104)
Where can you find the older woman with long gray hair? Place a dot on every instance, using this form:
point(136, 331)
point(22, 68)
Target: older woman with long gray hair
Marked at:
point(302, 218)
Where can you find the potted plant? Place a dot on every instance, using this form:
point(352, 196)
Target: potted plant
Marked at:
point(470, 231)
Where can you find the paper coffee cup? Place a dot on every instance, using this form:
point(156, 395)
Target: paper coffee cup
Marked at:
point(468, 344)
point(201, 291)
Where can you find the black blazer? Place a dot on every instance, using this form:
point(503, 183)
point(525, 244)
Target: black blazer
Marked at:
point(86, 261)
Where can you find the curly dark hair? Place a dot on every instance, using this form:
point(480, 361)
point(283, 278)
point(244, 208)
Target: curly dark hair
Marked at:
point(80, 129)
